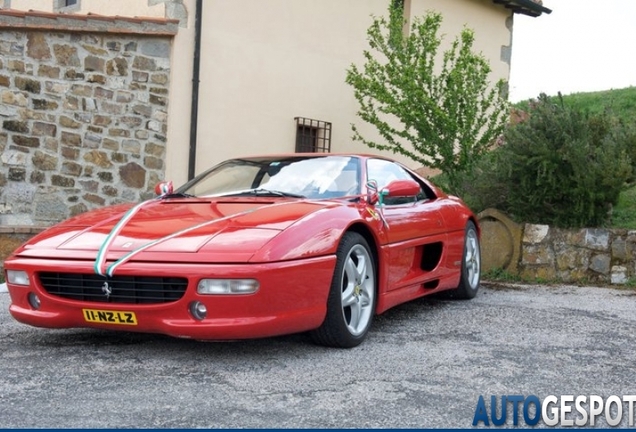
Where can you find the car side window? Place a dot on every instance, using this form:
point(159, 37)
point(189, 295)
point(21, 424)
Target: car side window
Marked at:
point(384, 172)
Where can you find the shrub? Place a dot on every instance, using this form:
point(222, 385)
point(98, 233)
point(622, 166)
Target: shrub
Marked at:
point(628, 136)
point(560, 166)
point(484, 186)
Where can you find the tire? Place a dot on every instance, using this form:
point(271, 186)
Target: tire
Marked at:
point(471, 266)
point(352, 296)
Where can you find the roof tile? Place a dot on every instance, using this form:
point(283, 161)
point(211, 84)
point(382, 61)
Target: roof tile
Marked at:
point(39, 20)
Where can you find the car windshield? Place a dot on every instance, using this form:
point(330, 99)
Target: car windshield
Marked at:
point(294, 176)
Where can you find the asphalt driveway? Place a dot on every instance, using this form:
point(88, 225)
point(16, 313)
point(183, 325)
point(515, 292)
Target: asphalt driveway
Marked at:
point(424, 365)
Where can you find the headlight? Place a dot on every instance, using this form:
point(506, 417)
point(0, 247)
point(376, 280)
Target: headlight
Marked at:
point(227, 286)
point(17, 277)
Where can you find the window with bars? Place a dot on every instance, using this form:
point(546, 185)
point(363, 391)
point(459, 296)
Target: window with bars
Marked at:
point(66, 5)
point(312, 136)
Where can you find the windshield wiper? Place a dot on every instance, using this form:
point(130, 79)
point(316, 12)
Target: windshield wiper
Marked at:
point(266, 192)
point(177, 195)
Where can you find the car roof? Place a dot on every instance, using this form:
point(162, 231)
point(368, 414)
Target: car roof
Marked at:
point(312, 155)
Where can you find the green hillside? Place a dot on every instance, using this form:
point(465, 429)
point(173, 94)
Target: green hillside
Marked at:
point(619, 102)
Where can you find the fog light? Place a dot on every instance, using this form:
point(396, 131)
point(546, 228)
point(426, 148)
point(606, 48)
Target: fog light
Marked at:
point(17, 277)
point(227, 286)
point(34, 300)
point(198, 310)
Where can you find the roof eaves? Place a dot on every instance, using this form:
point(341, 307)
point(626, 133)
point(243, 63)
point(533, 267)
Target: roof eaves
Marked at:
point(525, 7)
point(37, 20)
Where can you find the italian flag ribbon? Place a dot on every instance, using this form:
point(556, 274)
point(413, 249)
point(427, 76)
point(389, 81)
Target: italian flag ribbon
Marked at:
point(100, 261)
point(372, 186)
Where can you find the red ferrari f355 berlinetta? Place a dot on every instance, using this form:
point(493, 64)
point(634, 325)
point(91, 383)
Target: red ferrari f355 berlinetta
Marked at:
point(254, 247)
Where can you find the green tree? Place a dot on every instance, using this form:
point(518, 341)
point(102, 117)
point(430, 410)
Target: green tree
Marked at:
point(563, 166)
point(444, 119)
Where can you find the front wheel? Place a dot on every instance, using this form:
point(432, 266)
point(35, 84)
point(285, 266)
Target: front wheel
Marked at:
point(471, 265)
point(352, 296)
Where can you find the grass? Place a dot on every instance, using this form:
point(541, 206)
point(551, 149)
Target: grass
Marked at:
point(624, 213)
point(619, 102)
point(502, 276)
point(502, 279)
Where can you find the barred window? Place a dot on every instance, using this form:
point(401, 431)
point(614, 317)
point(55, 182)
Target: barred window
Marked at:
point(312, 136)
point(66, 5)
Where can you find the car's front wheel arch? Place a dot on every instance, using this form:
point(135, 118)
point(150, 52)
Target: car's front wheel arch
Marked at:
point(352, 300)
point(365, 232)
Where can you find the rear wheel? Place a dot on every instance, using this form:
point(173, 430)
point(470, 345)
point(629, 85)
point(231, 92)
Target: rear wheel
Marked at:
point(352, 297)
point(471, 265)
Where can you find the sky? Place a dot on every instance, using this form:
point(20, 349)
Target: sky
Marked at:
point(583, 45)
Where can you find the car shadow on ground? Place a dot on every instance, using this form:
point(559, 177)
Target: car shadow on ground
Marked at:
point(390, 322)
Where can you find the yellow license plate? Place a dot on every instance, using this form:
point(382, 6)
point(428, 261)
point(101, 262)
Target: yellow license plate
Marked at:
point(110, 317)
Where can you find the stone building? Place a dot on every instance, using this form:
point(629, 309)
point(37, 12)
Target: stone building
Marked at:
point(102, 99)
point(83, 114)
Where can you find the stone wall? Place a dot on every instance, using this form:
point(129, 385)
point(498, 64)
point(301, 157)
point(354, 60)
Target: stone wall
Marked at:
point(11, 238)
point(83, 114)
point(587, 255)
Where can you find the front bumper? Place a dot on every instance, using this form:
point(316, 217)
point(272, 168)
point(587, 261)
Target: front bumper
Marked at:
point(292, 298)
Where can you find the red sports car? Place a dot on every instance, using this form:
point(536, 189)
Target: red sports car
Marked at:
point(254, 247)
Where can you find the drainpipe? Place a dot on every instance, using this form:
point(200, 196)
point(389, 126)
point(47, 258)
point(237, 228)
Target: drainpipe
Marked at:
point(194, 110)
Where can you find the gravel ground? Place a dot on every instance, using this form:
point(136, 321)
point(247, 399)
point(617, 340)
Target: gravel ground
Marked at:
point(424, 365)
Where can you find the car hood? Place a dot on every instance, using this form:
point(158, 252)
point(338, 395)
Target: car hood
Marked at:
point(220, 227)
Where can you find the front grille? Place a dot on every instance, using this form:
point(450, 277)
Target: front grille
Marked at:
point(123, 289)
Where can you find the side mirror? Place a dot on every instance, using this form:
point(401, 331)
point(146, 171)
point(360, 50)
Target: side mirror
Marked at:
point(164, 188)
point(400, 188)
